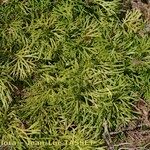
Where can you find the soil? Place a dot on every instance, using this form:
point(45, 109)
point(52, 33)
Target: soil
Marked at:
point(137, 135)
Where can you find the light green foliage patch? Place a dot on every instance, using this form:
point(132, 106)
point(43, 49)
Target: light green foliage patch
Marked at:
point(65, 67)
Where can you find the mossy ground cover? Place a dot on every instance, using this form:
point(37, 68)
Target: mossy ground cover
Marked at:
point(66, 68)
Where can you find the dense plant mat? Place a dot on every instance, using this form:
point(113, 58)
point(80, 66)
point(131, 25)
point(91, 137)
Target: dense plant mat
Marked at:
point(74, 74)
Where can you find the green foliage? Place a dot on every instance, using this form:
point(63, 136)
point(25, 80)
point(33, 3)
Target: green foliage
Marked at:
point(66, 66)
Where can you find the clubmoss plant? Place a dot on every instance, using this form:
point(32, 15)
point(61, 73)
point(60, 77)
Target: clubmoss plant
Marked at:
point(65, 67)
